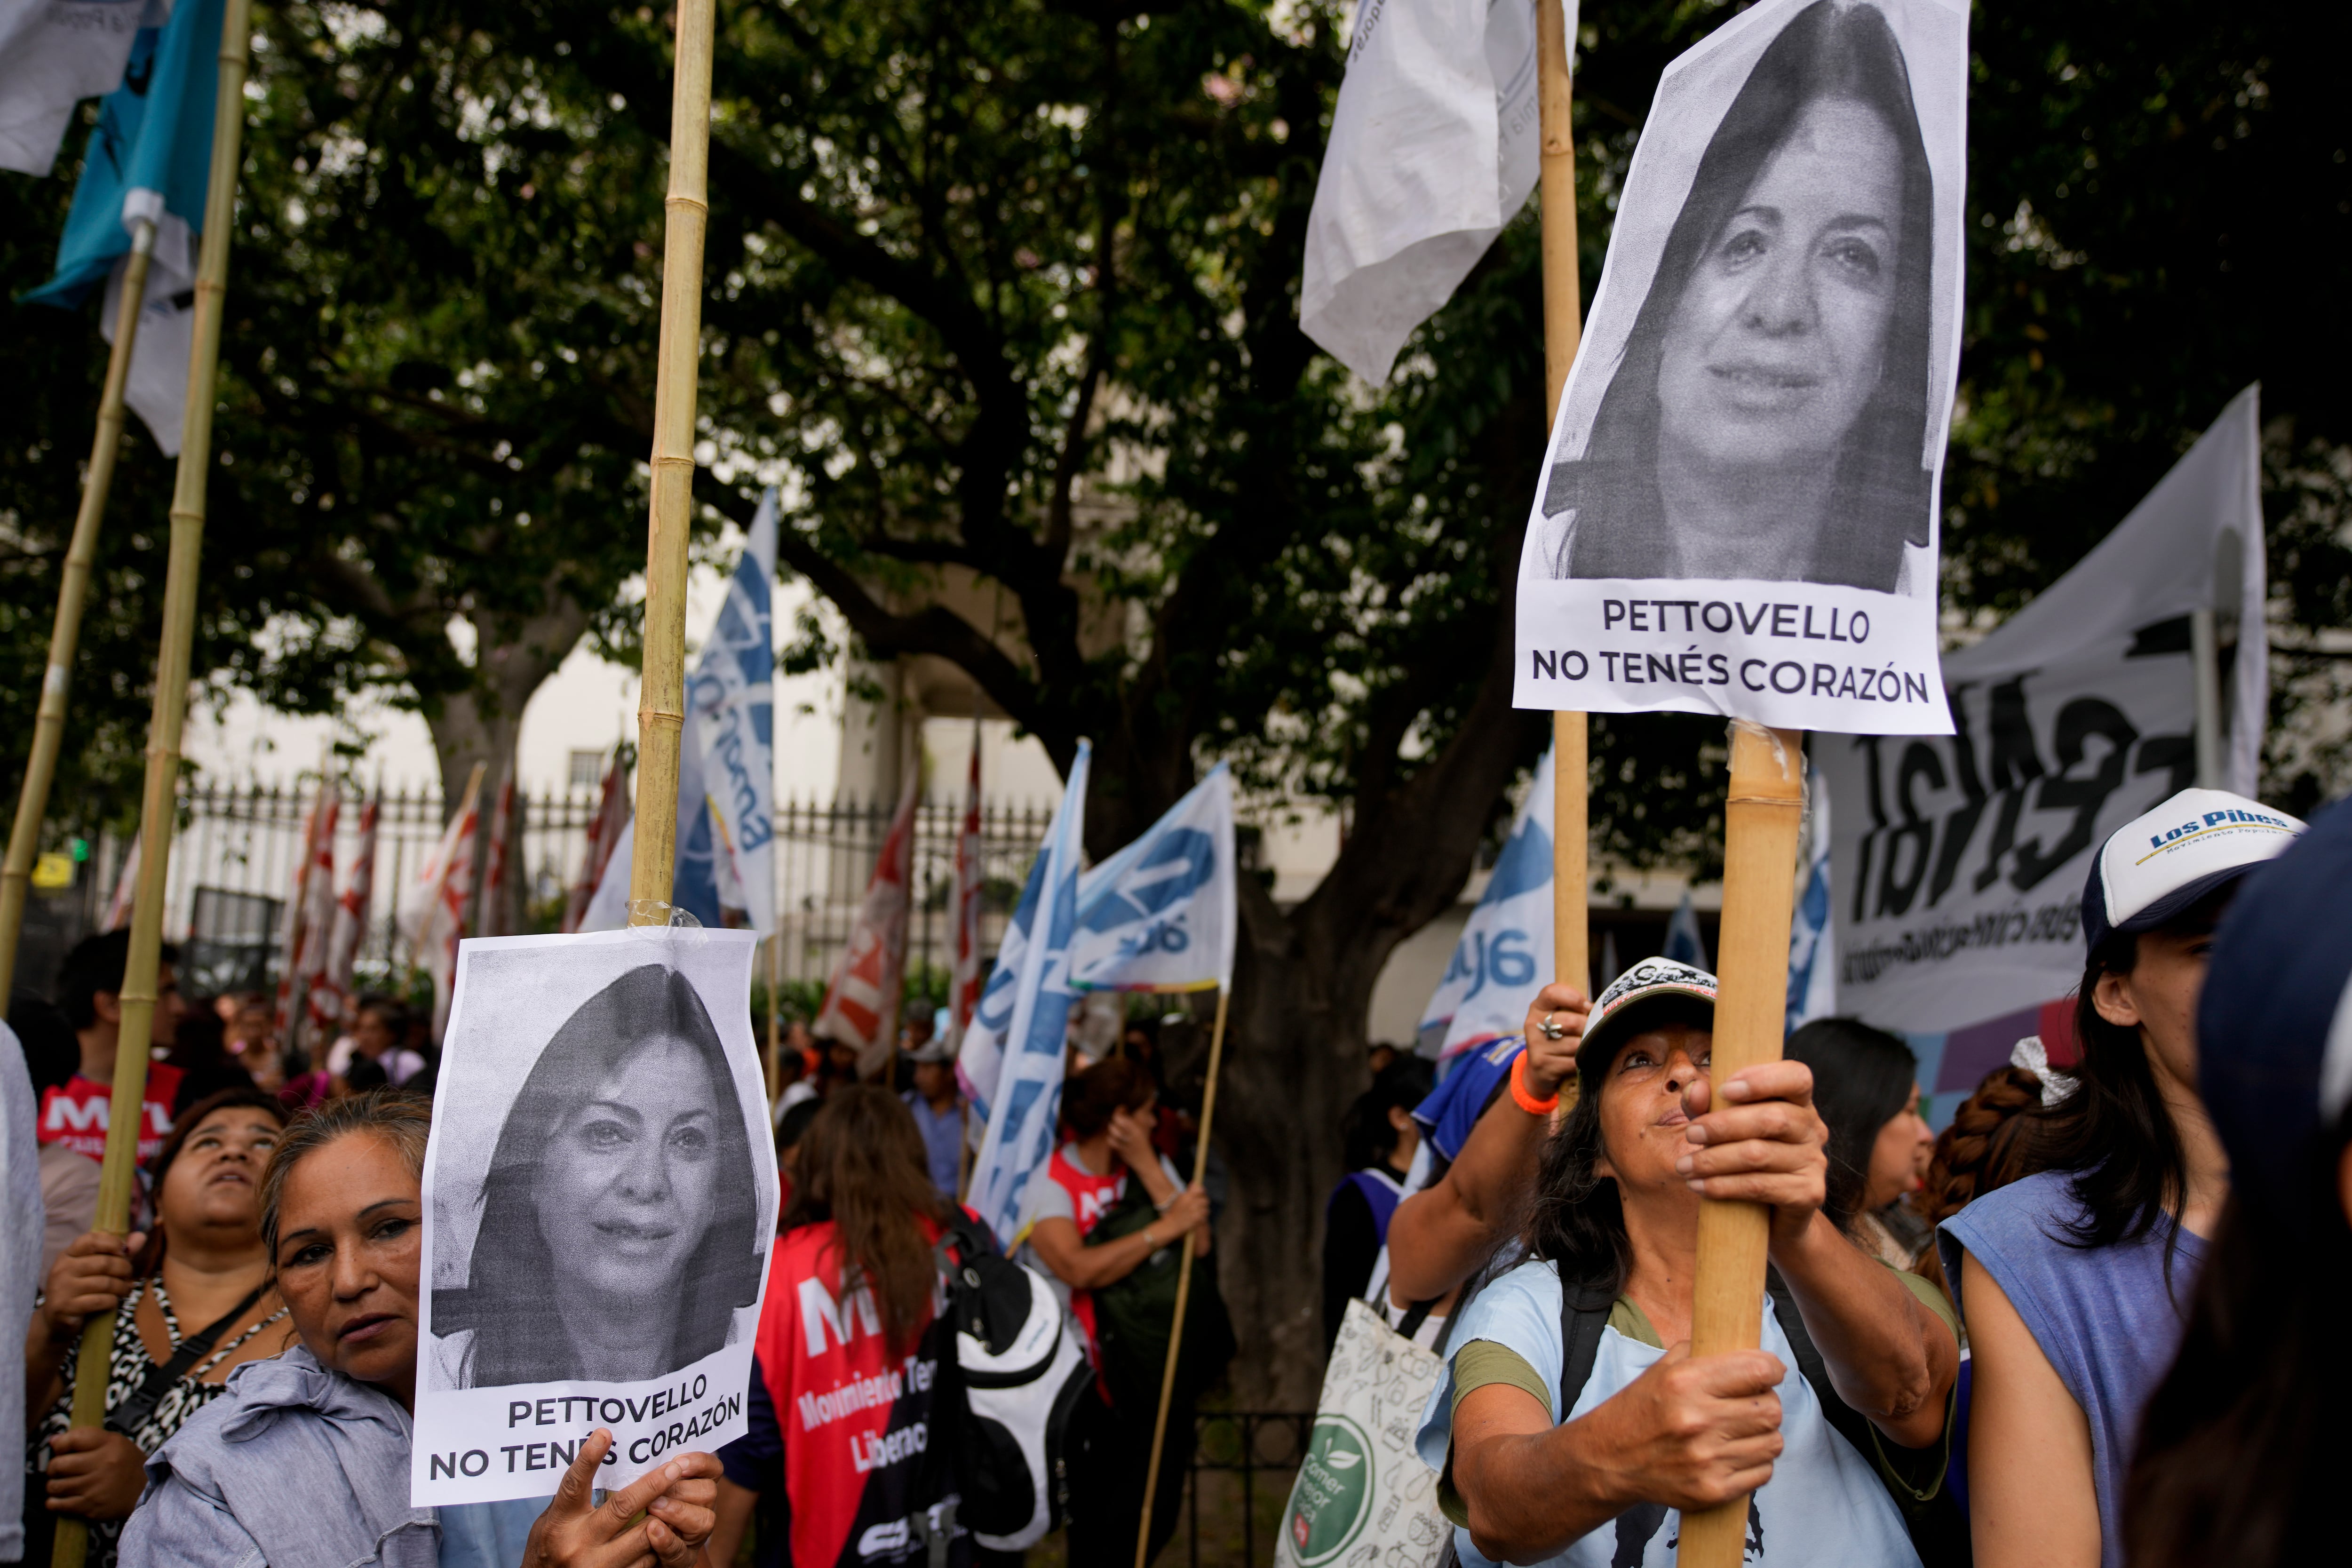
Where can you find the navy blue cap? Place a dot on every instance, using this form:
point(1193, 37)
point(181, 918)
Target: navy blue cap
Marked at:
point(2275, 1022)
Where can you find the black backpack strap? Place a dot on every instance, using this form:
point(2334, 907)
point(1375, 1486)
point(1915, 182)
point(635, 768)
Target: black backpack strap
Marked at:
point(1938, 1531)
point(1848, 1423)
point(1583, 1313)
point(1416, 1315)
point(126, 1417)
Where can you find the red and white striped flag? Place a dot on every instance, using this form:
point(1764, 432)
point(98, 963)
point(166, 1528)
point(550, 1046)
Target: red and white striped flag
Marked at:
point(963, 990)
point(330, 999)
point(494, 864)
point(861, 1003)
point(310, 912)
point(433, 905)
point(604, 832)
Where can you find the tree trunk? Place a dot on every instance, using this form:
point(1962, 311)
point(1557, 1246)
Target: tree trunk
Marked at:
point(1299, 1035)
point(482, 723)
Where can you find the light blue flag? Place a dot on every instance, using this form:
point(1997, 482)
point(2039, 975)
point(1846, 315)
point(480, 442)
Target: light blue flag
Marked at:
point(732, 695)
point(1159, 915)
point(1684, 943)
point(1505, 955)
point(150, 158)
point(1812, 940)
point(980, 1054)
point(1028, 1099)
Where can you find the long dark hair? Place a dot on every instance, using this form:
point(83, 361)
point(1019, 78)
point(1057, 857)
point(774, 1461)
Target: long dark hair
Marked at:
point(2243, 1444)
point(2115, 1132)
point(1862, 1080)
point(1881, 496)
point(509, 1302)
point(1574, 1218)
point(861, 1165)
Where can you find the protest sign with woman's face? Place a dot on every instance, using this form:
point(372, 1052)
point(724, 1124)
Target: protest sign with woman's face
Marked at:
point(1767, 420)
point(620, 1224)
point(1755, 419)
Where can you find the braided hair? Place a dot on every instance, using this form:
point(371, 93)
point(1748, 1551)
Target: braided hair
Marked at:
point(1987, 1146)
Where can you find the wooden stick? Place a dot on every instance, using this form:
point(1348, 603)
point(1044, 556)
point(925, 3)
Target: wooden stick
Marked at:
point(1563, 329)
point(661, 708)
point(73, 591)
point(1760, 822)
point(126, 1111)
point(1183, 1285)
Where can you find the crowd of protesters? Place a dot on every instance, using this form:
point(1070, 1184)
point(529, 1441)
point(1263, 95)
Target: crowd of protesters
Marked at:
point(2091, 1323)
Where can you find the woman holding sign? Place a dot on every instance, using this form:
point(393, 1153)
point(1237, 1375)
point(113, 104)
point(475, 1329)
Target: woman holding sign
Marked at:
point(305, 1460)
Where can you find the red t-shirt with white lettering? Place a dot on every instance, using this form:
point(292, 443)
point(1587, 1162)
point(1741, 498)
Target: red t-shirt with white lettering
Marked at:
point(75, 1113)
point(861, 1450)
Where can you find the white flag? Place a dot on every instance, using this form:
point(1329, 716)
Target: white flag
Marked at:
point(1505, 955)
point(1159, 915)
point(1028, 1090)
point(1434, 149)
point(54, 54)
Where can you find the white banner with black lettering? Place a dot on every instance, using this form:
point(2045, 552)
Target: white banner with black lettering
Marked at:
point(1959, 859)
point(1739, 509)
point(599, 1203)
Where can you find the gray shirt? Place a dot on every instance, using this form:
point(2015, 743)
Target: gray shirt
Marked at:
point(296, 1467)
point(20, 1268)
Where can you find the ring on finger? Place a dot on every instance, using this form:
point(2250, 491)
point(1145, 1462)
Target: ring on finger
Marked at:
point(1550, 1030)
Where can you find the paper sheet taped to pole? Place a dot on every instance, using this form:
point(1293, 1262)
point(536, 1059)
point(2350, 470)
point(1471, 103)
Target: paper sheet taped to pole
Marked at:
point(1738, 513)
point(600, 1201)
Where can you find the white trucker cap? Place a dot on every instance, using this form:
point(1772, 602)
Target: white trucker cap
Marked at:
point(2154, 866)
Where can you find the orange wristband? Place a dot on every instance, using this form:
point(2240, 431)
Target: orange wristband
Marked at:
point(1522, 1099)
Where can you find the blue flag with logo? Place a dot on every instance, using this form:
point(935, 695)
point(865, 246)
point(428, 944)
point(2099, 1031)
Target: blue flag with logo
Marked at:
point(149, 157)
point(1028, 1090)
point(727, 825)
point(1159, 915)
point(1505, 955)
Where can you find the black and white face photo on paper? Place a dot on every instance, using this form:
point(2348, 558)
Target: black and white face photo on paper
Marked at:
point(599, 1187)
point(1756, 421)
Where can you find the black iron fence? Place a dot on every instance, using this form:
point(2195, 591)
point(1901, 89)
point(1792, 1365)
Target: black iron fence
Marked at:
point(237, 846)
point(1243, 1465)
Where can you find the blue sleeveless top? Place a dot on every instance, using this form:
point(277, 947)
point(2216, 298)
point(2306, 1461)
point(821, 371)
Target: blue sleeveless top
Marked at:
point(2107, 1318)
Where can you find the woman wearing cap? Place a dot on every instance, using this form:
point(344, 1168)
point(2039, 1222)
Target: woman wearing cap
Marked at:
point(1598, 1319)
point(2073, 1282)
point(2243, 1448)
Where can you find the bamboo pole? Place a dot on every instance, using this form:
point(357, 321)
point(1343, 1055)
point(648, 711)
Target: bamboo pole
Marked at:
point(1563, 329)
point(170, 702)
point(73, 591)
point(1183, 1283)
point(661, 706)
point(1761, 818)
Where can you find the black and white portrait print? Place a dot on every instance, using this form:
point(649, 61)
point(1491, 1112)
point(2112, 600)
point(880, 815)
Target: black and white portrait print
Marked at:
point(1756, 419)
point(600, 1193)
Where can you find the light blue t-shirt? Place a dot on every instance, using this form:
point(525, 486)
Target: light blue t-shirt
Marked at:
point(2107, 1318)
point(1824, 1508)
point(489, 1534)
